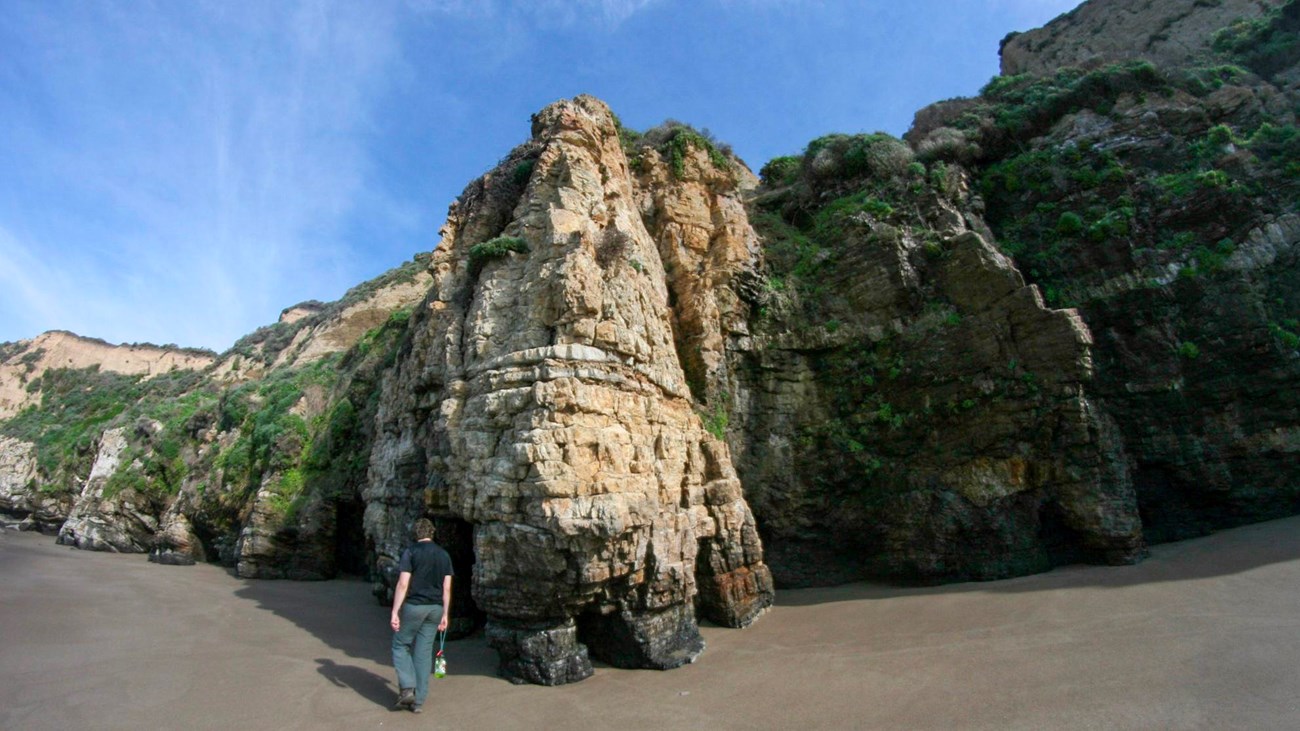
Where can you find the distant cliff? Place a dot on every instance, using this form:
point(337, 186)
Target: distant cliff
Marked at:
point(636, 385)
point(23, 363)
point(1168, 33)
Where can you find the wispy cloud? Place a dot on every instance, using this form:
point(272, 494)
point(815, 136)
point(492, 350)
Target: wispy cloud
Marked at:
point(541, 14)
point(216, 154)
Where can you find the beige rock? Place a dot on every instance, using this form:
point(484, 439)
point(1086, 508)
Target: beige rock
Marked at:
point(544, 403)
point(120, 522)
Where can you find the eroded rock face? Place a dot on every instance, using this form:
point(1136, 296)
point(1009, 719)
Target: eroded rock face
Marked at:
point(543, 402)
point(121, 521)
point(1192, 298)
point(20, 495)
point(909, 408)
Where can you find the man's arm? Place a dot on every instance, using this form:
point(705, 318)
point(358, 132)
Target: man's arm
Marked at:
point(446, 603)
point(399, 596)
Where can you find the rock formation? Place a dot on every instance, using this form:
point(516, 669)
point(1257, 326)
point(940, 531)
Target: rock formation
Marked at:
point(110, 520)
point(542, 401)
point(907, 407)
point(21, 500)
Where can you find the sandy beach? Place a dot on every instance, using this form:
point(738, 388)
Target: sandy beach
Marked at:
point(1204, 634)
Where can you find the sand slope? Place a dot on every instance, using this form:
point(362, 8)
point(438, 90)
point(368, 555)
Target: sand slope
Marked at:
point(1205, 634)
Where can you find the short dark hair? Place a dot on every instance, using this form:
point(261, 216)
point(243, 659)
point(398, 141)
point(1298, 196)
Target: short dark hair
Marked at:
point(423, 529)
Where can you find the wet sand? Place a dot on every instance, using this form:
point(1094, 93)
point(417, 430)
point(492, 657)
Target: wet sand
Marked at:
point(1204, 634)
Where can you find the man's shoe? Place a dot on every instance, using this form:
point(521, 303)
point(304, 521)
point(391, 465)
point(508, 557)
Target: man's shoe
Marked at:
point(405, 699)
point(417, 708)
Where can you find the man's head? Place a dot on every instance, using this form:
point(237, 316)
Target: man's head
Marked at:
point(423, 529)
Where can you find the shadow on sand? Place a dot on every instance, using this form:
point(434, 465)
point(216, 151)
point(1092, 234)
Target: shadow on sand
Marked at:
point(342, 614)
point(1231, 551)
point(368, 685)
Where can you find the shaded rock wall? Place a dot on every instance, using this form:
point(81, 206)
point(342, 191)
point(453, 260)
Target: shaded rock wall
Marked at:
point(908, 407)
point(1183, 263)
point(1165, 32)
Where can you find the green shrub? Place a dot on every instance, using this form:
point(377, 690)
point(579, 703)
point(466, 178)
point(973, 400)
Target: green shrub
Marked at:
point(844, 157)
point(674, 139)
point(1288, 338)
point(1207, 260)
point(523, 171)
point(716, 422)
point(628, 138)
point(1024, 105)
point(495, 249)
point(1069, 224)
point(1201, 81)
point(1279, 147)
point(76, 405)
point(1265, 45)
point(1180, 240)
point(1220, 134)
point(1113, 225)
point(947, 144)
point(780, 170)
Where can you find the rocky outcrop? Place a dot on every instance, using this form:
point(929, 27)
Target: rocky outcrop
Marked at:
point(110, 518)
point(907, 406)
point(340, 330)
point(542, 401)
point(21, 498)
point(1161, 202)
point(1098, 32)
point(300, 311)
point(694, 210)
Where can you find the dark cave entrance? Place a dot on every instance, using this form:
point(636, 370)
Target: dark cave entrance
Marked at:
point(350, 549)
point(456, 536)
point(609, 639)
point(1062, 544)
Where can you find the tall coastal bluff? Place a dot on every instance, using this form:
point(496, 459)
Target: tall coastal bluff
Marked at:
point(542, 401)
point(23, 363)
point(638, 387)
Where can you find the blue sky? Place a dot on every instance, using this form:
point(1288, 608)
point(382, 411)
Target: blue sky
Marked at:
point(179, 171)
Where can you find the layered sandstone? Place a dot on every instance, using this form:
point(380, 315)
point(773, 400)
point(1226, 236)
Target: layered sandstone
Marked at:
point(542, 400)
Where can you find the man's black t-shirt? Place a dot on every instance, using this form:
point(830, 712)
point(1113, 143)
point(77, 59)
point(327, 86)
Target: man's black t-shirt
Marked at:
point(427, 564)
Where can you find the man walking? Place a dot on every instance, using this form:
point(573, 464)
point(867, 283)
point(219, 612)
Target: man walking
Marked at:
point(421, 609)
